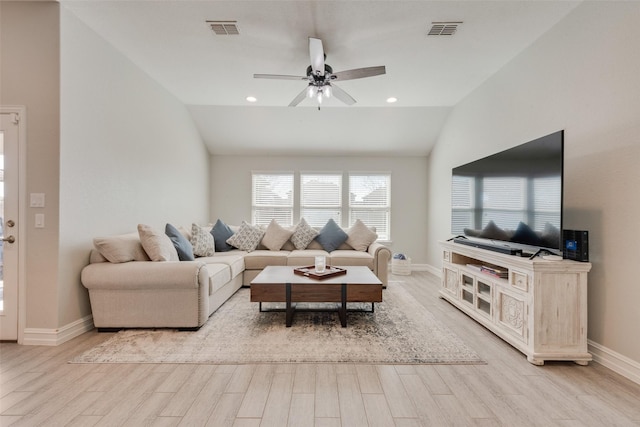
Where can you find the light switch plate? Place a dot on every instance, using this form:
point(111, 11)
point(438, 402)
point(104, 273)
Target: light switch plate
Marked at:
point(37, 200)
point(40, 220)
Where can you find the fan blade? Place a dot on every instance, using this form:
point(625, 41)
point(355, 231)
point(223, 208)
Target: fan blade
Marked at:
point(316, 53)
point(359, 73)
point(298, 99)
point(279, 77)
point(342, 95)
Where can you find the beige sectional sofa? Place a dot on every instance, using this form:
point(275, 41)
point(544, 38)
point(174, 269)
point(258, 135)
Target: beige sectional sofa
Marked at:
point(129, 290)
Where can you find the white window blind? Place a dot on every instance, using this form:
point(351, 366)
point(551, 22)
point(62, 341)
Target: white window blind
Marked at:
point(462, 203)
point(370, 202)
point(320, 198)
point(272, 198)
point(505, 198)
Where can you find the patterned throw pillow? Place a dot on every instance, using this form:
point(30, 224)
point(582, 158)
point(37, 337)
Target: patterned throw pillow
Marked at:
point(303, 235)
point(247, 237)
point(360, 236)
point(202, 241)
point(276, 236)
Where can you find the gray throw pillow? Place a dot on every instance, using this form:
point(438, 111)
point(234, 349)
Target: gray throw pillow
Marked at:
point(221, 233)
point(182, 245)
point(331, 236)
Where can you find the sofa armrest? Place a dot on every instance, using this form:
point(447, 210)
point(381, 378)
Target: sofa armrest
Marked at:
point(145, 275)
point(381, 257)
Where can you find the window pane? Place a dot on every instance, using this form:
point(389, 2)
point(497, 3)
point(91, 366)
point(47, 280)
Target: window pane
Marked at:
point(321, 190)
point(319, 217)
point(369, 190)
point(379, 219)
point(272, 198)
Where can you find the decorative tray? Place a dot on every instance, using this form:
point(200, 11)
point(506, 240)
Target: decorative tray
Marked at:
point(310, 271)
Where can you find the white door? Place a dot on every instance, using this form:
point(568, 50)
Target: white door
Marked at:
point(8, 226)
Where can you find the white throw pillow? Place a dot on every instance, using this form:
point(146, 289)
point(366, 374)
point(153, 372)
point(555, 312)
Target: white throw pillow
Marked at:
point(303, 235)
point(360, 236)
point(121, 248)
point(276, 236)
point(202, 241)
point(157, 244)
point(247, 237)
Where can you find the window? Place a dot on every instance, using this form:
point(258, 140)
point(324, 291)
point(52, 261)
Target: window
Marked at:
point(272, 198)
point(370, 201)
point(320, 198)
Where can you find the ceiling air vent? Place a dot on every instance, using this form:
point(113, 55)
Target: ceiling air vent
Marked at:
point(443, 28)
point(224, 28)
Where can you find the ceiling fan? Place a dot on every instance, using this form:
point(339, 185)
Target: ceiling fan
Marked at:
point(321, 78)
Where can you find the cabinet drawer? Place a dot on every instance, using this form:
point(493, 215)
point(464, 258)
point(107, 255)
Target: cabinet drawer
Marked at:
point(520, 280)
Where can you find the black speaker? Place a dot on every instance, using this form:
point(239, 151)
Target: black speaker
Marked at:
point(575, 245)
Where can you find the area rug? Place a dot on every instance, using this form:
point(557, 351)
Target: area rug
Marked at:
point(399, 331)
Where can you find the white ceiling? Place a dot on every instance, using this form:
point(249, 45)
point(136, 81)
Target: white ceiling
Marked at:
point(213, 75)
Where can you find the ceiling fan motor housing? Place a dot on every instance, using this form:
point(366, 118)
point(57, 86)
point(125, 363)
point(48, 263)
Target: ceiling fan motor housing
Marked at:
point(327, 70)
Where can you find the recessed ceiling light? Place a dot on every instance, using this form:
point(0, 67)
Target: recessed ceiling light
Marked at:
point(251, 98)
point(392, 99)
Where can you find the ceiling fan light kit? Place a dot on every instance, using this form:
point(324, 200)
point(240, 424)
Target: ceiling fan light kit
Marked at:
point(321, 78)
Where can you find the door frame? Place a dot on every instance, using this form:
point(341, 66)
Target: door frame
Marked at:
point(21, 111)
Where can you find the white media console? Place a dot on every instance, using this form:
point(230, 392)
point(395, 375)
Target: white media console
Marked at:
point(537, 306)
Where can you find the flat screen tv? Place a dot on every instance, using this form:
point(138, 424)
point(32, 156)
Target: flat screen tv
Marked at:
point(512, 198)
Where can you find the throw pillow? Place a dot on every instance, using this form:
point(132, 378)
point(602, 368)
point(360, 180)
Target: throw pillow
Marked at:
point(156, 244)
point(524, 234)
point(221, 233)
point(492, 231)
point(331, 236)
point(360, 236)
point(121, 248)
point(275, 236)
point(303, 235)
point(247, 237)
point(202, 241)
point(182, 245)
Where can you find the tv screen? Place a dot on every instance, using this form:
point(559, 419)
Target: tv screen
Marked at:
point(512, 196)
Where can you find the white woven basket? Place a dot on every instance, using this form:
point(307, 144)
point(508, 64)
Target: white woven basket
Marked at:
point(401, 267)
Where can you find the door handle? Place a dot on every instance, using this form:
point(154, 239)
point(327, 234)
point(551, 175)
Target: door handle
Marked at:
point(9, 239)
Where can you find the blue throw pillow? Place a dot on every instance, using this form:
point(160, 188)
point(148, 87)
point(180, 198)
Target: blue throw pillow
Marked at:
point(221, 232)
point(331, 236)
point(182, 245)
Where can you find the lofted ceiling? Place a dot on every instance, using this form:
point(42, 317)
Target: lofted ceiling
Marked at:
point(213, 74)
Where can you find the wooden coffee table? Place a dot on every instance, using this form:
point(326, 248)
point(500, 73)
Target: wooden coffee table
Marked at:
point(280, 284)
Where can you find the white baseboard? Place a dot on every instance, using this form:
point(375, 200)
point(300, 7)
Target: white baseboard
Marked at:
point(615, 361)
point(53, 337)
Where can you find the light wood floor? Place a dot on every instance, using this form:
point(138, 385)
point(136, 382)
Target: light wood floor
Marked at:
point(39, 387)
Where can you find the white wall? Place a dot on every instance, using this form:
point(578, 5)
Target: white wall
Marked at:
point(129, 154)
point(231, 190)
point(30, 76)
point(585, 81)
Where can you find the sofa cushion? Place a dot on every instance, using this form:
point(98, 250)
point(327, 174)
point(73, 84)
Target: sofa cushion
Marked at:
point(331, 236)
point(247, 237)
point(121, 248)
point(221, 232)
point(219, 275)
point(351, 257)
point(303, 235)
point(257, 260)
point(202, 240)
point(306, 257)
point(360, 236)
point(276, 236)
point(182, 245)
point(234, 259)
point(157, 244)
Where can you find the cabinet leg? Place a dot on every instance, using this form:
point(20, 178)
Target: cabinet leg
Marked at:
point(582, 362)
point(534, 361)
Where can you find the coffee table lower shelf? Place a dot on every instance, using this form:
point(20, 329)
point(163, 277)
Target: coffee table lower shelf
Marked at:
point(280, 285)
point(342, 310)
